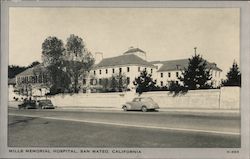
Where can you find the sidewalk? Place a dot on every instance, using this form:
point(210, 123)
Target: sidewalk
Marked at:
point(203, 112)
point(197, 112)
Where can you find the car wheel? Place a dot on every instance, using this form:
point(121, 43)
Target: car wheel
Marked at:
point(125, 108)
point(144, 109)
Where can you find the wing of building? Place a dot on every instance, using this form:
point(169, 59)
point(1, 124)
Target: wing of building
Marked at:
point(33, 81)
point(170, 71)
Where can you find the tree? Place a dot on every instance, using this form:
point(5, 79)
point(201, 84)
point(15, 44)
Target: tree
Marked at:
point(118, 83)
point(79, 60)
point(13, 70)
point(52, 56)
point(144, 82)
point(52, 51)
point(33, 64)
point(233, 76)
point(196, 75)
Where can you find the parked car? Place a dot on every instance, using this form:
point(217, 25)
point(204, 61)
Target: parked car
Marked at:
point(141, 103)
point(28, 104)
point(45, 104)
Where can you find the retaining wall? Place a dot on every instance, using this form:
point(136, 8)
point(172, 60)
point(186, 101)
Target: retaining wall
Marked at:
point(224, 98)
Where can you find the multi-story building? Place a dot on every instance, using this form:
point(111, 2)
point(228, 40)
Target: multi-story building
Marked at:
point(130, 64)
point(171, 70)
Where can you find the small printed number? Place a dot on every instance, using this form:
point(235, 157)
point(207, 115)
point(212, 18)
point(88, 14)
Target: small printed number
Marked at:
point(233, 151)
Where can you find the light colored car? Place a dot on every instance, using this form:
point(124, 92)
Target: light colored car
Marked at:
point(141, 103)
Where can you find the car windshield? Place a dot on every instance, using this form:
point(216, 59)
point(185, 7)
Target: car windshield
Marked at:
point(135, 99)
point(45, 101)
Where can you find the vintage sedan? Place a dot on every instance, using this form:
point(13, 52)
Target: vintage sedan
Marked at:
point(141, 103)
point(45, 104)
point(27, 104)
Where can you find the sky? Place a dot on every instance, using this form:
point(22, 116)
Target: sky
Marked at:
point(163, 33)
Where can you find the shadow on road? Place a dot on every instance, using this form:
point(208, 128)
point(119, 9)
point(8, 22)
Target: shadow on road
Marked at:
point(18, 121)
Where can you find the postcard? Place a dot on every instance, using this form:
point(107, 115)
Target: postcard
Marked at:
point(107, 79)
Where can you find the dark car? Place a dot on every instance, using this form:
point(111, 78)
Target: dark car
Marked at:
point(141, 103)
point(28, 104)
point(45, 104)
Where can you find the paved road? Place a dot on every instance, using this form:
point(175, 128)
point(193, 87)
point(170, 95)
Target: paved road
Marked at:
point(121, 129)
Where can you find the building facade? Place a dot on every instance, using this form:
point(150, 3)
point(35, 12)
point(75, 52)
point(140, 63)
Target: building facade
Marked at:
point(171, 70)
point(129, 64)
point(33, 81)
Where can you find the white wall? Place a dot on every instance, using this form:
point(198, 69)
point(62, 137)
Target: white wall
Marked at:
point(230, 98)
point(225, 98)
point(132, 74)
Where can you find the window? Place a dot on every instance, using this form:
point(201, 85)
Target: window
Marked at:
point(100, 81)
point(127, 69)
point(161, 83)
point(177, 74)
point(106, 71)
point(161, 75)
point(136, 99)
point(100, 72)
point(45, 78)
point(169, 74)
point(39, 78)
point(128, 80)
point(84, 81)
point(151, 70)
point(94, 72)
point(139, 69)
point(120, 70)
point(91, 81)
point(113, 70)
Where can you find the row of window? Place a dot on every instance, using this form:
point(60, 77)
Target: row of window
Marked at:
point(102, 81)
point(177, 74)
point(33, 79)
point(169, 74)
point(120, 70)
point(161, 83)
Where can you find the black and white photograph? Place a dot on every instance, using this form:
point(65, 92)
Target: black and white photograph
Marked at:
point(120, 81)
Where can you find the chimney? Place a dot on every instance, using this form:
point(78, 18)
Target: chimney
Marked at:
point(98, 57)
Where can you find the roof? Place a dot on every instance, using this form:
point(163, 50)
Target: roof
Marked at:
point(12, 81)
point(131, 50)
point(127, 59)
point(30, 71)
point(180, 64)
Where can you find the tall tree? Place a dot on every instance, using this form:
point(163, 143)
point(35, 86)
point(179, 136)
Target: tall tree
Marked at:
point(233, 76)
point(196, 75)
point(144, 82)
point(52, 56)
point(79, 60)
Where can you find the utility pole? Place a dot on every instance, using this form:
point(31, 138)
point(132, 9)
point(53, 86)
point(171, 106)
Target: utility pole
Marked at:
point(195, 48)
